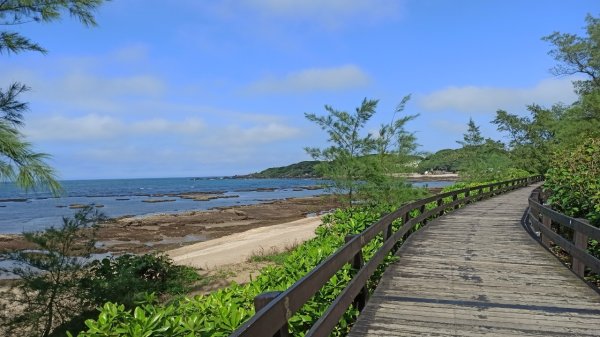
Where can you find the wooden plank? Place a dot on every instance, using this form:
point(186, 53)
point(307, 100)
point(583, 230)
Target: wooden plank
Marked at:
point(476, 272)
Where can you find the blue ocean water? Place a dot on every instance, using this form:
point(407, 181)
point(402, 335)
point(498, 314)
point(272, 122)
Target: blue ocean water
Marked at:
point(37, 210)
point(29, 211)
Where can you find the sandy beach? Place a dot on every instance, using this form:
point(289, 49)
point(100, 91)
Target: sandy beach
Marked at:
point(165, 232)
point(238, 247)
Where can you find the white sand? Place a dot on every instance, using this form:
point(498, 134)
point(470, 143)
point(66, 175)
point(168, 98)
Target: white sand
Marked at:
point(238, 247)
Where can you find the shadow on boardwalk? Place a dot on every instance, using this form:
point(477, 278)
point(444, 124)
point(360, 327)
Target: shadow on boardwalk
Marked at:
point(476, 272)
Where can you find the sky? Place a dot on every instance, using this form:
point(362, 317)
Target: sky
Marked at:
point(190, 88)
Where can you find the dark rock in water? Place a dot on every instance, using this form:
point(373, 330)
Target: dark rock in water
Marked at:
point(265, 189)
point(2, 205)
point(205, 197)
point(99, 206)
point(77, 206)
point(313, 187)
point(61, 206)
point(14, 200)
point(122, 199)
point(258, 189)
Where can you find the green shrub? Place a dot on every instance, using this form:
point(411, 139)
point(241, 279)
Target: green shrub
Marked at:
point(47, 294)
point(128, 278)
point(574, 181)
point(221, 312)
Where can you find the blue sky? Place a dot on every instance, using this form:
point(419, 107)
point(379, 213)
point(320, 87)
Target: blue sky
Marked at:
point(205, 88)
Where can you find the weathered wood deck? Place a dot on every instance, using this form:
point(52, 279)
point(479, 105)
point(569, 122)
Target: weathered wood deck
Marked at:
point(477, 272)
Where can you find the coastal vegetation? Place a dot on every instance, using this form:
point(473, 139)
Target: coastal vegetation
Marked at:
point(359, 165)
point(58, 287)
point(137, 295)
point(303, 169)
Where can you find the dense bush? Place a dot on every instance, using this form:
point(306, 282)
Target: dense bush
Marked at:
point(58, 289)
point(221, 312)
point(128, 278)
point(574, 181)
point(573, 184)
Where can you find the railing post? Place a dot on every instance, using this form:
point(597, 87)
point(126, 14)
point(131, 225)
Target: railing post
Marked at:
point(454, 198)
point(439, 203)
point(357, 262)
point(546, 222)
point(580, 241)
point(388, 231)
point(467, 195)
point(422, 210)
point(261, 301)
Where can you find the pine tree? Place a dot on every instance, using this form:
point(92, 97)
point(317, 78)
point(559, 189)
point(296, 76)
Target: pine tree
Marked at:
point(18, 161)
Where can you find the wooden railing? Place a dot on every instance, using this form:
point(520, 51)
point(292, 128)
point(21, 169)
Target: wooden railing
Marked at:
point(275, 309)
point(543, 219)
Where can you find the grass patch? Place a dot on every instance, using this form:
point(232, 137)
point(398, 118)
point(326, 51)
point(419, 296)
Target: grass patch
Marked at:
point(273, 255)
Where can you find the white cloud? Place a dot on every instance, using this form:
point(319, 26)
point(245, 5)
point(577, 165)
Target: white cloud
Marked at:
point(102, 127)
point(449, 126)
point(235, 135)
point(104, 118)
point(89, 92)
point(314, 79)
point(486, 100)
point(131, 53)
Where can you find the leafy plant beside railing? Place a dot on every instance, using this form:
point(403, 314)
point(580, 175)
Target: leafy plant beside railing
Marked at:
point(573, 185)
point(220, 313)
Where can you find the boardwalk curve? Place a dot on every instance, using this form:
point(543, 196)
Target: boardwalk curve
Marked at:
point(477, 272)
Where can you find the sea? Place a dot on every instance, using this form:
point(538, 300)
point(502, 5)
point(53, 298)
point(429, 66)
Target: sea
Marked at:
point(26, 211)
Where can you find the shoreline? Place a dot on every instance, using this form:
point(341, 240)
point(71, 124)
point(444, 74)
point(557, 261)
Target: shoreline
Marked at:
point(162, 232)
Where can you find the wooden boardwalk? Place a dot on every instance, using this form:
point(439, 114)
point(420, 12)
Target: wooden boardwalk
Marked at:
point(477, 272)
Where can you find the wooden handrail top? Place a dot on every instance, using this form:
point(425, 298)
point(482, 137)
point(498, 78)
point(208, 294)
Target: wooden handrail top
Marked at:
point(582, 231)
point(580, 225)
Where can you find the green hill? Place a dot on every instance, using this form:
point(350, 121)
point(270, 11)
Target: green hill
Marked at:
point(303, 169)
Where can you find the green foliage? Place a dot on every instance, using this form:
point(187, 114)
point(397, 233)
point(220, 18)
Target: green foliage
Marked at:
point(343, 160)
point(536, 138)
point(473, 136)
point(532, 139)
point(18, 161)
point(221, 312)
point(303, 169)
point(17, 12)
point(359, 164)
point(448, 160)
point(48, 292)
point(275, 256)
point(479, 160)
point(574, 181)
point(578, 55)
point(580, 121)
point(58, 288)
point(127, 278)
point(489, 162)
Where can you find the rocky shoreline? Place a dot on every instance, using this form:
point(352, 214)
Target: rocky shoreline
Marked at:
point(140, 234)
